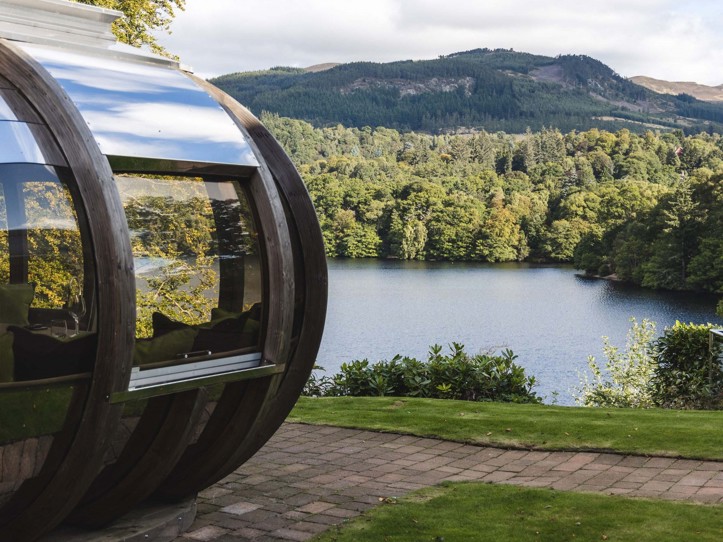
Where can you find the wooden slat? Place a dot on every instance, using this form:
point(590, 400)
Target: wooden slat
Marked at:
point(162, 435)
point(62, 442)
point(277, 266)
point(218, 441)
point(115, 291)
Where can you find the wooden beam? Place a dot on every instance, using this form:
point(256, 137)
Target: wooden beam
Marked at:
point(161, 436)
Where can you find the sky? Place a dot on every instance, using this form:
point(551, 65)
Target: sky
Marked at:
point(675, 40)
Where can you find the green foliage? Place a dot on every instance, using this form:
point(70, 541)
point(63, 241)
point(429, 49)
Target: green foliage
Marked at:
point(614, 203)
point(677, 243)
point(625, 379)
point(677, 370)
point(687, 374)
point(179, 233)
point(455, 376)
point(140, 19)
point(55, 254)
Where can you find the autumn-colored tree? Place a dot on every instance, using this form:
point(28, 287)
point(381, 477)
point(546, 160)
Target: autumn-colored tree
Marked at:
point(140, 19)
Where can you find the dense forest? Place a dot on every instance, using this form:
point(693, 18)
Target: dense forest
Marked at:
point(647, 208)
point(480, 89)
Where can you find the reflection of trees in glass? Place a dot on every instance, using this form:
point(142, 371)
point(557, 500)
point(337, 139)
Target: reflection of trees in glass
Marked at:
point(54, 245)
point(4, 248)
point(177, 235)
point(55, 253)
point(232, 223)
point(183, 237)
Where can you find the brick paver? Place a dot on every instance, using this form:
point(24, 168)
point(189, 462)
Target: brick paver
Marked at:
point(309, 478)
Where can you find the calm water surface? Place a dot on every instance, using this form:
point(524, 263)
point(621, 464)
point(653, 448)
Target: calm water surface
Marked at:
point(550, 317)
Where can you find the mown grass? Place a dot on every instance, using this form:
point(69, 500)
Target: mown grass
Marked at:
point(499, 513)
point(691, 434)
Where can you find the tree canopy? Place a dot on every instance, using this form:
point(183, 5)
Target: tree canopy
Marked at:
point(140, 19)
point(647, 208)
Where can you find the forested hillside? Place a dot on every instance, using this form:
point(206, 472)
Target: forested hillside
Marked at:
point(648, 208)
point(481, 89)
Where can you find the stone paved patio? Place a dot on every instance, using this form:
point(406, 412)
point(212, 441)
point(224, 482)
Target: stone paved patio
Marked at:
point(308, 478)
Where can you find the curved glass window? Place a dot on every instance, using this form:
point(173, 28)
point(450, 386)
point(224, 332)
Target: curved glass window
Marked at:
point(47, 316)
point(47, 325)
point(198, 272)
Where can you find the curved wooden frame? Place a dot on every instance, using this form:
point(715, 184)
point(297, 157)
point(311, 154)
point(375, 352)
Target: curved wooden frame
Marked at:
point(73, 485)
point(63, 488)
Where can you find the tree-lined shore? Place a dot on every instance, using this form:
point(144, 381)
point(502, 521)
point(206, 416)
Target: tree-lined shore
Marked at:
point(646, 208)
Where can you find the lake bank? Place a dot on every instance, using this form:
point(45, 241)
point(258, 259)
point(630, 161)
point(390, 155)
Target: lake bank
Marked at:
point(551, 318)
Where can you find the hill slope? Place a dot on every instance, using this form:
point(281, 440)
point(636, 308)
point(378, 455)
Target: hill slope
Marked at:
point(700, 92)
point(490, 89)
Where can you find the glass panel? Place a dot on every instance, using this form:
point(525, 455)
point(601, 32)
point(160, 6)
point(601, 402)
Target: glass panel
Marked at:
point(18, 144)
point(137, 109)
point(4, 249)
point(55, 252)
point(197, 267)
point(41, 253)
point(46, 290)
point(5, 112)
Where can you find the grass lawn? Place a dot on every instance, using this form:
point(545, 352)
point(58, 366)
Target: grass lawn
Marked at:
point(691, 434)
point(483, 512)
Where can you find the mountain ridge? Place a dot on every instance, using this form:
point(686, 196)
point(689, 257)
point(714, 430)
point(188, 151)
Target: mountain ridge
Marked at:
point(488, 89)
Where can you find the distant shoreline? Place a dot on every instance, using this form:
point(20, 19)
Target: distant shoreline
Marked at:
point(612, 277)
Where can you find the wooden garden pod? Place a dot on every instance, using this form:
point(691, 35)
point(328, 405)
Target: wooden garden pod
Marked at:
point(162, 275)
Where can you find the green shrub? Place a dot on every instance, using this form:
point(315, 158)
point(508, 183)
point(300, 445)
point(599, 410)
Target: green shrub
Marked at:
point(455, 376)
point(625, 380)
point(687, 373)
point(677, 370)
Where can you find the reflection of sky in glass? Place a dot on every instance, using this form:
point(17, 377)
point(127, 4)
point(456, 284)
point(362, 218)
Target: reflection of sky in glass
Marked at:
point(146, 111)
point(17, 144)
point(5, 112)
point(47, 223)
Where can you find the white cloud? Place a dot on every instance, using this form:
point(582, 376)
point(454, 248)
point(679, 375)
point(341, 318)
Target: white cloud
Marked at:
point(667, 39)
